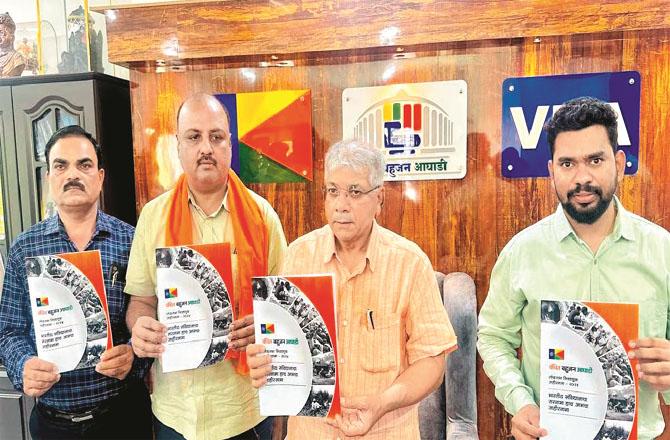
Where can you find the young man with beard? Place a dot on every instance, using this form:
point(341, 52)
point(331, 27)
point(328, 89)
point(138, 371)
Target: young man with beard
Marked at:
point(591, 249)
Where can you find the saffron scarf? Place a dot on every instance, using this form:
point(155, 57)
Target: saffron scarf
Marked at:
point(249, 230)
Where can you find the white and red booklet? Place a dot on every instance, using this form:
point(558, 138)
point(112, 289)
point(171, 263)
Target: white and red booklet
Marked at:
point(69, 308)
point(194, 286)
point(294, 316)
point(588, 386)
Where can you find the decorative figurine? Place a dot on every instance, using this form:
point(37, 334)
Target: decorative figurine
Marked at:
point(11, 61)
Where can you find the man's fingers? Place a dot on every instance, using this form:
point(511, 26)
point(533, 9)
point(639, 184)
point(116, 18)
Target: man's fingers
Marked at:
point(260, 372)
point(114, 363)
point(518, 435)
point(654, 368)
point(149, 323)
point(37, 364)
point(257, 383)
point(241, 344)
point(258, 361)
point(649, 343)
point(112, 372)
point(525, 424)
point(243, 322)
point(146, 349)
point(650, 354)
point(39, 384)
point(259, 376)
point(658, 383)
point(42, 376)
point(526, 431)
point(122, 350)
point(35, 392)
point(149, 335)
point(253, 350)
point(243, 332)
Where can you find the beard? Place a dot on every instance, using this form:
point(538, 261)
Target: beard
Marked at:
point(588, 215)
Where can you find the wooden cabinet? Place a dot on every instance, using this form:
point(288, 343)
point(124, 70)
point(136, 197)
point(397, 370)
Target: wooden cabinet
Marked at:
point(31, 110)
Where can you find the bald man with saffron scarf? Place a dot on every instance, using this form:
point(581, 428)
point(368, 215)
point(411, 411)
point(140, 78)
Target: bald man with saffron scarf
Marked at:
point(209, 204)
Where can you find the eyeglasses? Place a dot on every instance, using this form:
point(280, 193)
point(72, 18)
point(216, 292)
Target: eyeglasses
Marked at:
point(353, 192)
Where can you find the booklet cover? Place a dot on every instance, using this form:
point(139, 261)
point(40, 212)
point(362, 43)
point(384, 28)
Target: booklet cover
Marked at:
point(588, 384)
point(69, 308)
point(195, 301)
point(294, 317)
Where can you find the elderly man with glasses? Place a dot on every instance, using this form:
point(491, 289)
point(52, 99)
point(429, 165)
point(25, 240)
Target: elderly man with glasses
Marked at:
point(393, 331)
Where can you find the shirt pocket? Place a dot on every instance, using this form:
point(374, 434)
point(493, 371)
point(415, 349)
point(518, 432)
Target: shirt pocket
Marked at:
point(380, 343)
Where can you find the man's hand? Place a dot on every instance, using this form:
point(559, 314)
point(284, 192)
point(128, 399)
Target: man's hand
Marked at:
point(359, 414)
point(148, 337)
point(242, 333)
point(526, 424)
point(259, 364)
point(39, 376)
point(653, 355)
point(116, 362)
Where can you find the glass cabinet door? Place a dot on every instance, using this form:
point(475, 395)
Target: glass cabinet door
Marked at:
point(39, 111)
point(55, 115)
point(10, 206)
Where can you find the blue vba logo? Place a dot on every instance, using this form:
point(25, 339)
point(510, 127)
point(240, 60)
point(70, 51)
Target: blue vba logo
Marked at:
point(528, 103)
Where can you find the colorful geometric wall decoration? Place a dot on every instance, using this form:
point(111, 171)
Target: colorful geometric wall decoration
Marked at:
point(271, 134)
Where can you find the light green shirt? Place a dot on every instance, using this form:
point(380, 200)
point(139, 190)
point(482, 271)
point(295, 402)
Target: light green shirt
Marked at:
point(548, 261)
point(213, 402)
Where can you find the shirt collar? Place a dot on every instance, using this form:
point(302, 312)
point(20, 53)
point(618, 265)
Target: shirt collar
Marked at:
point(224, 205)
point(54, 225)
point(371, 254)
point(622, 223)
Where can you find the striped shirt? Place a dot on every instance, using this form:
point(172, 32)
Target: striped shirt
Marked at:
point(396, 284)
point(83, 389)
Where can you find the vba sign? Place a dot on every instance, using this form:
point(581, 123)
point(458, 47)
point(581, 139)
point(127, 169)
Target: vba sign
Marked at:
point(528, 103)
point(422, 127)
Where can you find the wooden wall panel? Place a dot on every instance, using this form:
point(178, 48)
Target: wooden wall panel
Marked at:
point(294, 26)
point(461, 224)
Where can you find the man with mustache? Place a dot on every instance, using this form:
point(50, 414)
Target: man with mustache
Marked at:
point(590, 249)
point(110, 400)
point(393, 331)
point(209, 204)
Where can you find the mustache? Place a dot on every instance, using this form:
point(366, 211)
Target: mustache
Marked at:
point(206, 158)
point(585, 188)
point(74, 184)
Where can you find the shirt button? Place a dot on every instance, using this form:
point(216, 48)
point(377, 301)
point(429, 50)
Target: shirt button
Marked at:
point(344, 323)
point(341, 360)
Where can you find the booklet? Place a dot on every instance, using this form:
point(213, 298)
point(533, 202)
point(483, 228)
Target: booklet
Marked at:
point(294, 317)
point(69, 308)
point(194, 286)
point(588, 386)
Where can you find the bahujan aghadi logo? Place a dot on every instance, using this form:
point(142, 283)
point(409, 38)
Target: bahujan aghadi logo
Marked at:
point(42, 301)
point(171, 292)
point(420, 127)
point(267, 329)
point(406, 123)
point(557, 354)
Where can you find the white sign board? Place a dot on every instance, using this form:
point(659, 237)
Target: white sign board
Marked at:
point(422, 127)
